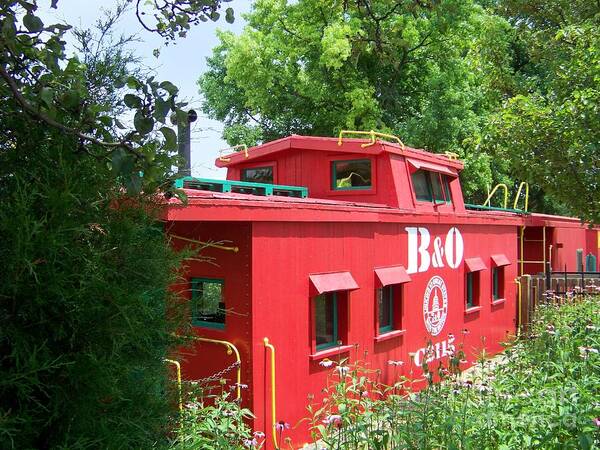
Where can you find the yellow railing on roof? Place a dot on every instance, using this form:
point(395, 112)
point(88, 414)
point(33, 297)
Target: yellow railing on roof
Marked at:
point(244, 147)
point(372, 134)
point(489, 198)
point(523, 183)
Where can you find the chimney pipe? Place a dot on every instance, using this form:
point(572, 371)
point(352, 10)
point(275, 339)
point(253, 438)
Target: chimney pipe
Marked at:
point(184, 145)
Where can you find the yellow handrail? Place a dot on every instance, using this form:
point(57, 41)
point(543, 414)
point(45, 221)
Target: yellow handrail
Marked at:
point(178, 367)
point(491, 194)
point(235, 147)
point(523, 183)
point(230, 349)
point(518, 281)
point(206, 244)
point(372, 134)
point(273, 392)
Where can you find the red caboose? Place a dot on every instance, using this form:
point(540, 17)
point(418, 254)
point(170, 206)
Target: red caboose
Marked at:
point(348, 249)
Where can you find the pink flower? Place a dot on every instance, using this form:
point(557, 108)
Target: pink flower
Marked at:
point(364, 394)
point(464, 331)
point(281, 425)
point(334, 419)
point(259, 434)
point(326, 363)
point(596, 421)
point(450, 336)
point(250, 443)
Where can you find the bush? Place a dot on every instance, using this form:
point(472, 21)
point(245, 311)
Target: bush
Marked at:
point(543, 392)
point(83, 291)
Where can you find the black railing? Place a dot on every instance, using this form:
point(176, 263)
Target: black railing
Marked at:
point(573, 283)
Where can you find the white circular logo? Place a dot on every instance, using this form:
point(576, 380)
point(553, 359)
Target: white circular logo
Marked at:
point(435, 305)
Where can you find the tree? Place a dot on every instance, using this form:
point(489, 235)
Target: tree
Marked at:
point(416, 69)
point(549, 130)
point(86, 268)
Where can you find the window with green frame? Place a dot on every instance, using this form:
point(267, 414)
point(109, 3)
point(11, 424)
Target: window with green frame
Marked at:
point(385, 304)
point(351, 174)
point(498, 283)
point(208, 304)
point(326, 312)
point(258, 175)
point(472, 289)
point(429, 185)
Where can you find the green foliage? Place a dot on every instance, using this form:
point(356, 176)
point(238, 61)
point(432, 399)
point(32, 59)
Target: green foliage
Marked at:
point(215, 423)
point(543, 393)
point(550, 130)
point(85, 265)
point(417, 69)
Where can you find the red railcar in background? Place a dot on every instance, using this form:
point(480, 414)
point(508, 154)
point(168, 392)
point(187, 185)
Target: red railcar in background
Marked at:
point(353, 249)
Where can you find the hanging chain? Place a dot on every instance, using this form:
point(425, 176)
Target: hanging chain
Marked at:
point(219, 375)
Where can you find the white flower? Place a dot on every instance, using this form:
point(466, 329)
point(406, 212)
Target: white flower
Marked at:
point(395, 363)
point(250, 443)
point(259, 434)
point(326, 363)
point(342, 370)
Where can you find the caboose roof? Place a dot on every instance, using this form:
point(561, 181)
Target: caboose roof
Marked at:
point(349, 145)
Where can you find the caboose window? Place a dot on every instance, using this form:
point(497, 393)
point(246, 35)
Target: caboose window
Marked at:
point(353, 174)
point(472, 289)
point(385, 301)
point(258, 175)
point(498, 283)
point(431, 185)
point(208, 305)
point(326, 310)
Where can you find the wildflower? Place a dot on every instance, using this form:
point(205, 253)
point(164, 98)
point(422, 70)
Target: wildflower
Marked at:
point(395, 363)
point(259, 434)
point(463, 361)
point(281, 425)
point(192, 405)
point(596, 421)
point(334, 419)
point(465, 331)
point(591, 327)
point(364, 394)
point(585, 351)
point(342, 370)
point(550, 329)
point(227, 413)
point(234, 386)
point(468, 384)
point(483, 388)
point(326, 363)
point(450, 336)
point(250, 443)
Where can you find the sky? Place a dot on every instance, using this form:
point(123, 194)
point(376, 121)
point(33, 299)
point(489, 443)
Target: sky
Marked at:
point(182, 64)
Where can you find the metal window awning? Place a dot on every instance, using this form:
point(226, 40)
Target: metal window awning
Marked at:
point(425, 165)
point(500, 260)
point(474, 264)
point(330, 282)
point(392, 275)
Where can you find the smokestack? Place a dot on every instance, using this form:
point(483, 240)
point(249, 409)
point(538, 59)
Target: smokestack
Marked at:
point(184, 144)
